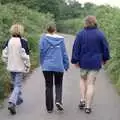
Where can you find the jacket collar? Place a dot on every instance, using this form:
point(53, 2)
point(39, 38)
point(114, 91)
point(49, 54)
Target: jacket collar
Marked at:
point(88, 28)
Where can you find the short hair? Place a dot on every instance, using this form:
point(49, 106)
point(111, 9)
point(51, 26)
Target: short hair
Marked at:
point(51, 28)
point(90, 21)
point(17, 30)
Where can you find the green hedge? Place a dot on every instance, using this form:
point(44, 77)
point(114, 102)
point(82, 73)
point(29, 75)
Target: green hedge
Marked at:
point(109, 21)
point(34, 23)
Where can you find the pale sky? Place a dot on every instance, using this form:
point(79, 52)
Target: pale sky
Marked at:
point(99, 2)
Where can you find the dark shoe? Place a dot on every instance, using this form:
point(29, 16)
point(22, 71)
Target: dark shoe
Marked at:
point(88, 110)
point(59, 106)
point(11, 108)
point(20, 101)
point(81, 105)
point(49, 111)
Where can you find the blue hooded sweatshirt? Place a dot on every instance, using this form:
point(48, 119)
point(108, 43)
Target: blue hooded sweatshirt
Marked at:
point(90, 49)
point(53, 55)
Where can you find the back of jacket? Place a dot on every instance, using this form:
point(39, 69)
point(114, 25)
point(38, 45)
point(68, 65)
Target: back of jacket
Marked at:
point(16, 54)
point(90, 49)
point(53, 55)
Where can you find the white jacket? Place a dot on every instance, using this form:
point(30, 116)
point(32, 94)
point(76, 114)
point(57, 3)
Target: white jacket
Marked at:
point(16, 54)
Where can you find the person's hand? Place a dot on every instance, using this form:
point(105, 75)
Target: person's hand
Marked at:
point(104, 62)
point(67, 69)
point(27, 69)
point(77, 65)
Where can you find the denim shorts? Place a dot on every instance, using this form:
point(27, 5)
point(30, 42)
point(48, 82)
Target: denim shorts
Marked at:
point(84, 72)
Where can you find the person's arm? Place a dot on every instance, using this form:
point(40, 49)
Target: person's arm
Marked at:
point(65, 57)
point(5, 52)
point(76, 50)
point(41, 50)
point(105, 49)
point(25, 53)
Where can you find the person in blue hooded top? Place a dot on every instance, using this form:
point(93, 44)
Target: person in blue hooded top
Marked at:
point(90, 52)
point(54, 61)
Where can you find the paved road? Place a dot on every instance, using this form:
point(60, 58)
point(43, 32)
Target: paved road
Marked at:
point(106, 103)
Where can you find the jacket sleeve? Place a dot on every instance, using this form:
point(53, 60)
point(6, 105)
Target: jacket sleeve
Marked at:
point(25, 52)
point(5, 52)
point(65, 57)
point(76, 50)
point(105, 49)
point(41, 50)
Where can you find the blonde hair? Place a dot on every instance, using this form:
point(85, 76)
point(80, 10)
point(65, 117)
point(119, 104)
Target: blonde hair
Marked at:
point(17, 30)
point(90, 21)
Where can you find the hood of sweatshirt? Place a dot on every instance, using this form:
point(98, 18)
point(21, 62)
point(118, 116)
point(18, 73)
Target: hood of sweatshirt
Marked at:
point(54, 39)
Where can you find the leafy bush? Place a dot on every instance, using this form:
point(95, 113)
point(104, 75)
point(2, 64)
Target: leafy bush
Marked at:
point(34, 23)
point(70, 26)
point(108, 19)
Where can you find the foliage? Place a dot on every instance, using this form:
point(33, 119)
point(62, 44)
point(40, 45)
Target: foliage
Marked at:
point(108, 19)
point(35, 23)
point(44, 6)
point(69, 15)
point(61, 9)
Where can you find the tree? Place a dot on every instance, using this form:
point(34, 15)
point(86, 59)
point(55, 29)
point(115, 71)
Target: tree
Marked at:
point(44, 6)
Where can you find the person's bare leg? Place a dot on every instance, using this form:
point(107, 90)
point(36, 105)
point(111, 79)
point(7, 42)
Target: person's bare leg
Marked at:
point(91, 78)
point(82, 89)
point(82, 93)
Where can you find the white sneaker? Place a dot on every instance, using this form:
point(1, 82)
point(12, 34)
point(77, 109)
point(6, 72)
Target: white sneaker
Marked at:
point(59, 106)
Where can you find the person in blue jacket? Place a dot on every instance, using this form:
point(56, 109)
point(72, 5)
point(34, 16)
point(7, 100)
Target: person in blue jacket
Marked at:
point(53, 60)
point(90, 52)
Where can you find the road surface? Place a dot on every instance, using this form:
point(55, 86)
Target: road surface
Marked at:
point(106, 105)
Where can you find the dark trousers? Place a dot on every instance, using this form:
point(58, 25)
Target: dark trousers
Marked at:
point(50, 77)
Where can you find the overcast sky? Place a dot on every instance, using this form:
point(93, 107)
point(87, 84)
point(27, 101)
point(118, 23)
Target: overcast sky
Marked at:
point(110, 2)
